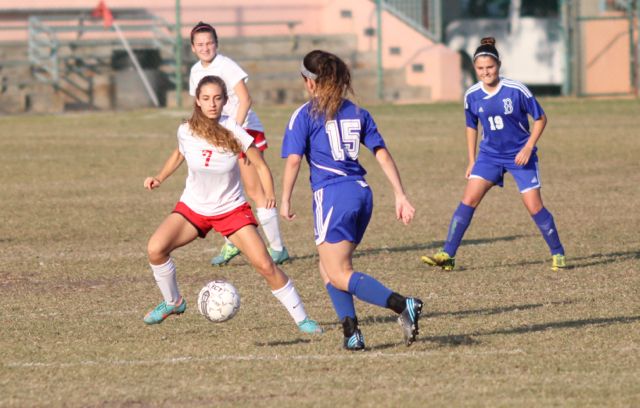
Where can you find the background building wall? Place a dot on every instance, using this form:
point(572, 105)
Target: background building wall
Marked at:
point(424, 62)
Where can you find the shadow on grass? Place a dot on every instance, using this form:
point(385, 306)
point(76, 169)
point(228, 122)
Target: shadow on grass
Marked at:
point(451, 341)
point(469, 339)
point(282, 343)
point(573, 262)
point(600, 258)
point(434, 245)
point(461, 339)
point(497, 310)
point(463, 313)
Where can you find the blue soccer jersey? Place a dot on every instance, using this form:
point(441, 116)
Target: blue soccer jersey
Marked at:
point(331, 147)
point(503, 115)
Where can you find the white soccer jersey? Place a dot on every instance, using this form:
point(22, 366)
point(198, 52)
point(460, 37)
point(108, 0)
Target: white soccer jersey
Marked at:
point(213, 182)
point(231, 74)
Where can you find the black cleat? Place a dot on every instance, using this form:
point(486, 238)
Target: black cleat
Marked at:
point(408, 320)
point(355, 342)
point(353, 338)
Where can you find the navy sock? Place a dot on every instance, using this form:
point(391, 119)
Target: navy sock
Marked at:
point(342, 302)
point(544, 221)
point(366, 288)
point(459, 224)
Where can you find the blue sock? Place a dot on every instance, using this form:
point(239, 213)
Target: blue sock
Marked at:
point(366, 288)
point(459, 224)
point(544, 221)
point(342, 302)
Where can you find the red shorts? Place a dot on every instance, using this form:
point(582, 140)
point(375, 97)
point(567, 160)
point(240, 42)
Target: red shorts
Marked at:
point(258, 140)
point(226, 224)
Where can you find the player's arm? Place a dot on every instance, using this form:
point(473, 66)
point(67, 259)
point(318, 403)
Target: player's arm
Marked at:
point(291, 170)
point(264, 173)
point(524, 155)
point(244, 101)
point(404, 209)
point(170, 166)
point(472, 143)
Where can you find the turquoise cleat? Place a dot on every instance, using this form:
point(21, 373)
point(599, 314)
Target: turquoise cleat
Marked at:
point(227, 253)
point(279, 257)
point(163, 310)
point(310, 326)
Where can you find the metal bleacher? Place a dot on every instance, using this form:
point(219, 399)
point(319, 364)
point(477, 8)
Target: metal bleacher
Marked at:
point(69, 60)
point(68, 51)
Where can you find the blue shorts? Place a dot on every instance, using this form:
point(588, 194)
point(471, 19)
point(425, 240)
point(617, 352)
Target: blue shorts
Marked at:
point(492, 169)
point(342, 211)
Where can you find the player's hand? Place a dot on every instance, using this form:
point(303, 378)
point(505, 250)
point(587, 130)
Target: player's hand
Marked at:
point(285, 211)
point(523, 156)
point(404, 209)
point(270, 203)
point(151, 182)
point(467, 173)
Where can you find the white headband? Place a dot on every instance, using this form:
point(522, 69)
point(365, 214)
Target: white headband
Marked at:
point(486, 53)
point(306, 73)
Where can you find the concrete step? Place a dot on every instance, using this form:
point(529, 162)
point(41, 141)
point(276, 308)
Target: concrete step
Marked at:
point(270, 47)
point(271, 62)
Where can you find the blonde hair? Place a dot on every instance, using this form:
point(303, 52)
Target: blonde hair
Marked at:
point(333, 82)
point(209, 129)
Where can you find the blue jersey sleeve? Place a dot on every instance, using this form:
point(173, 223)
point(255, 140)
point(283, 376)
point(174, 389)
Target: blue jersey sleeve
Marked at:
point(470, 117)
point(532, 107)
point(296, 134)
point(369, 135)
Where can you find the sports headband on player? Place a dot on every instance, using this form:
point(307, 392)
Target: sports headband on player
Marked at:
point(306, 73)
point(486, 53)
point(202, 27)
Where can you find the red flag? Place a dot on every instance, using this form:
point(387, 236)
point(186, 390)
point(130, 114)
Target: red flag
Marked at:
point(102, 11)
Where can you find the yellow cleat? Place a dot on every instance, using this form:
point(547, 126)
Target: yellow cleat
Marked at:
point(558, 262)
point(441, 259)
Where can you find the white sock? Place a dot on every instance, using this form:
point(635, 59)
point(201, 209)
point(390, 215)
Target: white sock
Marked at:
point(288, 296)
point(165, 275)
point(269, 220)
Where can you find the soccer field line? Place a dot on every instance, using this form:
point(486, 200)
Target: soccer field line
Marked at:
point(254, 357)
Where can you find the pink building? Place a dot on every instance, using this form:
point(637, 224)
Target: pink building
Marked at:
point(415, 67)
point(269, 38)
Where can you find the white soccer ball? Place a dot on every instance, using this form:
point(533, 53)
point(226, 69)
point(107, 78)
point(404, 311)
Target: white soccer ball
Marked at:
point(218, 301)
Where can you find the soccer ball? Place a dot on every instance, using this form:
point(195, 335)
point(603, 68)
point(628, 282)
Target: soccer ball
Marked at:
point(218, 301)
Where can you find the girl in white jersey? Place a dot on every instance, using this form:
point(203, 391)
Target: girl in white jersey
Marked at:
point(204, 44)
point(213, 199)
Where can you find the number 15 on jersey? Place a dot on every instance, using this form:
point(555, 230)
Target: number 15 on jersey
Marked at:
point(344, 137)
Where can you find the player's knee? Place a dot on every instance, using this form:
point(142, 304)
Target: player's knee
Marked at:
point(255, 193)
point(533, 204)
point(472, 202)
point(341, 284)
point(341, 280)
point(534, 208)
point(156, 250)
point(265, 267)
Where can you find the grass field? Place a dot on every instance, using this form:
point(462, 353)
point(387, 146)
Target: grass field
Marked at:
point(502, 330)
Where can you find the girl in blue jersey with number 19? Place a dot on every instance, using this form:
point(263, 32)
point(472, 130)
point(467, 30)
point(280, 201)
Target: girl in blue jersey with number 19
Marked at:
point(502, 106)
point(329, 130)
